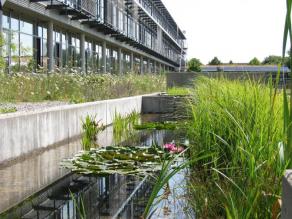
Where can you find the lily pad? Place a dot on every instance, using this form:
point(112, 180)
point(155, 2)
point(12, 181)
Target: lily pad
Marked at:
point(124, 160)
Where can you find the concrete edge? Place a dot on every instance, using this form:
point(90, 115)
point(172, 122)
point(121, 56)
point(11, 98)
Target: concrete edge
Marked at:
point(67, 107)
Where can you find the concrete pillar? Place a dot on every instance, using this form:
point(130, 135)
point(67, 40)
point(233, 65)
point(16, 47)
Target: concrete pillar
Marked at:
point(120, 61)
point(159, 68)
point(104, 57)
point(155, 67)
point(141, 65)
point(286, 210)
point(149, 66)
point(132, 62)
point(50, 38)
point(82, 53)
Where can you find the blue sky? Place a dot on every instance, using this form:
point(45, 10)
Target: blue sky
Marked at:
point(235, 30)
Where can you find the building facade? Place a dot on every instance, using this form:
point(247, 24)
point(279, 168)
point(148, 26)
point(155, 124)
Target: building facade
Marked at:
point(114, 36)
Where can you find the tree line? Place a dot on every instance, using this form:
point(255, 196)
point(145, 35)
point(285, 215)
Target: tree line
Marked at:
point(195, 64)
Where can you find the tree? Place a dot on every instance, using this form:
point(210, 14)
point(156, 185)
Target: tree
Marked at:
point(272, 60)
point(254, 61)
point(215, 61)
point(194, 65)
point(230, 62)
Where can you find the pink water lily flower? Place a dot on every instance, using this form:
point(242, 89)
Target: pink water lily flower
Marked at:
point(172, 148)
point(169, 146)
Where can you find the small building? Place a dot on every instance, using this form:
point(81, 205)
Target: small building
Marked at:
point(244, 68)
point(261, 72)
point(115, 36)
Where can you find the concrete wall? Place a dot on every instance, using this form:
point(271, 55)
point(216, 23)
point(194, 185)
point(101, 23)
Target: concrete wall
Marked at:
point(22, 133)
point(286, 211)
point(179, 79)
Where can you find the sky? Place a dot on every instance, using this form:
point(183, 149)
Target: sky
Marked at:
point(236, 30)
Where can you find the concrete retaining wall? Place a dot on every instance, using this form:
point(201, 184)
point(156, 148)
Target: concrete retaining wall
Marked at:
point(22, 133)
point(158, 104)
point(181, 79)
point(163, 104)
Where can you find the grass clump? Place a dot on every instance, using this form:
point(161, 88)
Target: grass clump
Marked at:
point(90, 130)
point(8, 110)
point(178, 91)
point(76, 88)
point(241, 124)
point(123, 126)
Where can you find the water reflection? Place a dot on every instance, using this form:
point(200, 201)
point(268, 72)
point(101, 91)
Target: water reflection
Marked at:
point(102, 197)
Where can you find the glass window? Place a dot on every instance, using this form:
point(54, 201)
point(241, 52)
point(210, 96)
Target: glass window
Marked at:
point(26, 52)
point(5, 22)
point(14, 24)
point(40, 31)
point(44, 33)
point(14, 44)
point(26, 27)
point(57, 37)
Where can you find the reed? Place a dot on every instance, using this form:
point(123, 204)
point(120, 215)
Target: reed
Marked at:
point(241, 124)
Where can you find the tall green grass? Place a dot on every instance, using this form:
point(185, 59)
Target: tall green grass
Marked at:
point(287, 36)
point(75, 87)
point(241, 124)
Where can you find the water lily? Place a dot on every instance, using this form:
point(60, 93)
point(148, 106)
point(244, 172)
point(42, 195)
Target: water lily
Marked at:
point(172, 148)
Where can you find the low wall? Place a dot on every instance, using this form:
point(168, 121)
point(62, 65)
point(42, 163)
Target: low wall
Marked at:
point(163, 104)
point(158, 104)
point(181, 79)
point(22, 133)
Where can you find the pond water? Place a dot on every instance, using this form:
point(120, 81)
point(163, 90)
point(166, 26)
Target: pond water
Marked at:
point(49, 191)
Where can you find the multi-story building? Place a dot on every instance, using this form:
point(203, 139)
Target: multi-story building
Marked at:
point(114, 36)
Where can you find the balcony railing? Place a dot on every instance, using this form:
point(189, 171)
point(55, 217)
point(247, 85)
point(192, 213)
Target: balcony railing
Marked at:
point(137, 30)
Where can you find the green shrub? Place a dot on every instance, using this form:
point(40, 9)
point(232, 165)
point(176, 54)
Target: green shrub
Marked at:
point(254, 61)
point(215, 61)
point(194, 65)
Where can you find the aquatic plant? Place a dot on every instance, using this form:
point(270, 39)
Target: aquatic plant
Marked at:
point(240, 123)
point(170, 167)
point(124, 160)
point(79, 207)
point(173, 148)
point(90, 130)
point(123, 126)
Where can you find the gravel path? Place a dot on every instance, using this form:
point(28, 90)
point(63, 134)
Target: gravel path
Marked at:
point(28, 107)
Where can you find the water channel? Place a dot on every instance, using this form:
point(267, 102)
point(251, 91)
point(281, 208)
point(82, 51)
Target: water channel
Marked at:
point(37, 187)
